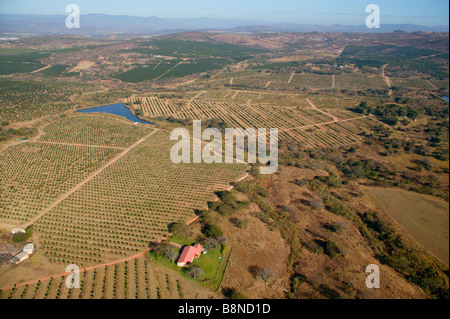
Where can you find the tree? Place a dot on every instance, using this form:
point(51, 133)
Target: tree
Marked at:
point(166, 250)
point(210, 243)
point(213, 231)
point(177, 228)
point(196, 272)
point(172, 254)
point(19, 237)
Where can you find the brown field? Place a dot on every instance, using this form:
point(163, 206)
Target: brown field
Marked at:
point(424, 218)
point(83, 65)
point(323, 276)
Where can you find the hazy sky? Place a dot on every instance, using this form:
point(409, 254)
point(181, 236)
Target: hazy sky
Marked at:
point(349, 12)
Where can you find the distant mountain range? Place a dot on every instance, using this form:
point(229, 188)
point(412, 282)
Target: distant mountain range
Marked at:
point(101, 25)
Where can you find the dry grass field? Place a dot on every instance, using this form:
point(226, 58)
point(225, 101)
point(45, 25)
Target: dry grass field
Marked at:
point(424, 218)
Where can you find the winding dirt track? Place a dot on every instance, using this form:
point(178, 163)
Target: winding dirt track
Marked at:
point(386, 79)
point(335, 119)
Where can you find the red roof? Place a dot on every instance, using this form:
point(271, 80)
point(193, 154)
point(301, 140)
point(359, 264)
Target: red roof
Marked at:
point(189, 253)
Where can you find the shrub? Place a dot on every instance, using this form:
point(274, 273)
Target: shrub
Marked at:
point(213, 231)
point(23, 236)
point(225, 210)
point(239, 223)
point(331, 249)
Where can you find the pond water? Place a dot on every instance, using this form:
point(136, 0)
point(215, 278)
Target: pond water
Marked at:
point(116, 109)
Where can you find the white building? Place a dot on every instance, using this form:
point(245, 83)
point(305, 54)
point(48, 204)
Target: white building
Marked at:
point(17, 230)
point(20, 257)
point(29, 248)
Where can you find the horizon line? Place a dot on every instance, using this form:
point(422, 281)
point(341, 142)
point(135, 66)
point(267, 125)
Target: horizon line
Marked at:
point(225, 19)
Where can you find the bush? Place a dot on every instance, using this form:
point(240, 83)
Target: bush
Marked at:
point(213, 231)
point(317, 203)
point(239, 223)
point(331, 249)
point(227, 198)
point(225, 210)
point(177, 228)
point(19, 237)
point(244, 204)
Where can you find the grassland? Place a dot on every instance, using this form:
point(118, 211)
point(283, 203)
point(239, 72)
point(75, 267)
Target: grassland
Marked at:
point(213, 267)
point(424, 218)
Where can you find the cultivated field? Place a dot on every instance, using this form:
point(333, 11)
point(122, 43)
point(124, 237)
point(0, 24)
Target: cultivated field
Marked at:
point(25, 101)
point(304, 124)
point(34, 174)
point(134, 279)
point(94, 197)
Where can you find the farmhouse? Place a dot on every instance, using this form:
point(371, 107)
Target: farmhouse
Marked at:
point(20, 257)
point(29, 248)
point(188, 254)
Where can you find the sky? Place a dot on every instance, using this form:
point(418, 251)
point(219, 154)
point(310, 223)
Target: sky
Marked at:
point(319, 12)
